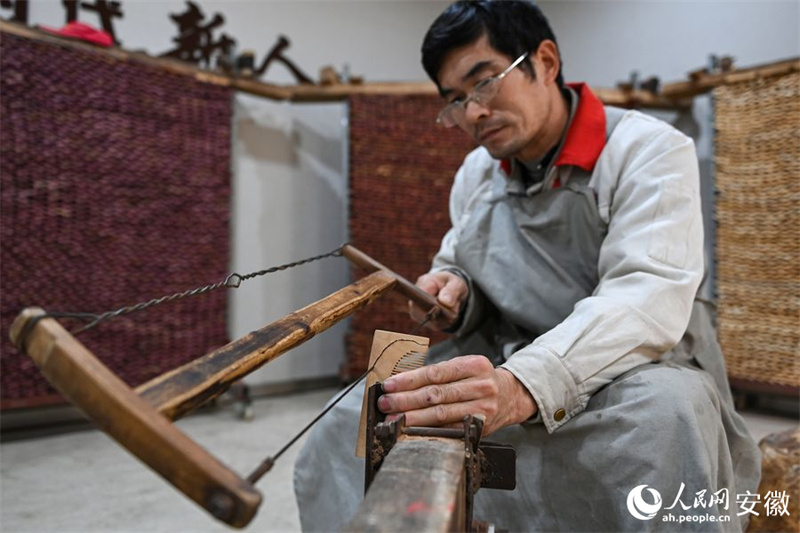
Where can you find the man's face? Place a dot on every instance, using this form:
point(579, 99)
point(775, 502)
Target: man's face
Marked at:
point(513, 123)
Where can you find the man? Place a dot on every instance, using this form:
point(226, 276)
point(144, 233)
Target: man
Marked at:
point(574, 260)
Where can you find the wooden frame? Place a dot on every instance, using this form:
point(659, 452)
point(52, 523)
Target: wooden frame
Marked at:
point(141, 420)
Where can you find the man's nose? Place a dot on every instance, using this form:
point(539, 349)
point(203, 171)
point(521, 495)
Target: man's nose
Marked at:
point(474, 111)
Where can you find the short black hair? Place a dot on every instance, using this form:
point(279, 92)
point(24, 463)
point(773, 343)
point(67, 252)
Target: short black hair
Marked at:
point(513, 27)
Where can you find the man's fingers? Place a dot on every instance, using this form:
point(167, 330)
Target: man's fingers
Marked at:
point(446, 413)
point(429, 284)
point(448, 296)
point(449, 289)
point(431, 395)
point(453, 292)
point(443, 394)
point(446, 372)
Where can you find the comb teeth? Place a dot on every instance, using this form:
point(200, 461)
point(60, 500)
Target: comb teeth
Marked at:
point(409, 361)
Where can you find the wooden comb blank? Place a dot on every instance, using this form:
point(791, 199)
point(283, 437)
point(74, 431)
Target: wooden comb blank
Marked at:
point(391, 354)
point(410, 361)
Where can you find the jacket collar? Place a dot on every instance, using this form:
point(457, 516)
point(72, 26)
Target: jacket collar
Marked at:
point(586, 135)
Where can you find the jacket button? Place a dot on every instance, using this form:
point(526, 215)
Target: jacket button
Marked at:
point(559, 415)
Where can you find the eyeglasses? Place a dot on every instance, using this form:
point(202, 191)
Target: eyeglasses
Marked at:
point(482, 94)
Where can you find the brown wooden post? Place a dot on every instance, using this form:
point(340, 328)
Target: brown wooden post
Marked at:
point(420, 487)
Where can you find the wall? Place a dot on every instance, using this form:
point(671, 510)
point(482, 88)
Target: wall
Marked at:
point(290, 173)
point(291, 190)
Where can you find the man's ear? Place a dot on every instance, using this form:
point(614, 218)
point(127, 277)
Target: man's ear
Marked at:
point(547, 57)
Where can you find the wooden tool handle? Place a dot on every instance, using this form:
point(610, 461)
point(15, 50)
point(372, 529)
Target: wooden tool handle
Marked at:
point(408, 289)
point(181, 390)
point(133, 422)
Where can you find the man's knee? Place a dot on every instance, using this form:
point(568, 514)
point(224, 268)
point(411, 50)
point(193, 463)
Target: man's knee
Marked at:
point(685, 394)
point(660, 399)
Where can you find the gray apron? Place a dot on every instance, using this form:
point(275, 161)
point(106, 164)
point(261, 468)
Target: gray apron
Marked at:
point(546, 248)
point(533, 257)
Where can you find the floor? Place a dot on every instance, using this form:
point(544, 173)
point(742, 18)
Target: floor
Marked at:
point(83, 482)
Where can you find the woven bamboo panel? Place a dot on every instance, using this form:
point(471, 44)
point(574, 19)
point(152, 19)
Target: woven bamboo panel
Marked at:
point(758, 225)
point(401, 169)
point(115, 189)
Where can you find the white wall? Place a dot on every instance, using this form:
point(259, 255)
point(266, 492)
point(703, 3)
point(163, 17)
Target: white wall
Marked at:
point(290, 162)
point(289, 202)
point(290, 165)
point(603, 41)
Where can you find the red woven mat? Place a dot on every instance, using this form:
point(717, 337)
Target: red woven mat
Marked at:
point(115, 189)
point(401, 168)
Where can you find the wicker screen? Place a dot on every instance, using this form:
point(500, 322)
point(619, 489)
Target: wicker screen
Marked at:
point(115, 189)
point(758, 217)
point(401, 168)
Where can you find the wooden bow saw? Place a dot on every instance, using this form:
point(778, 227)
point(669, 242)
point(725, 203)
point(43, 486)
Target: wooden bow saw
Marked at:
point(140, 419)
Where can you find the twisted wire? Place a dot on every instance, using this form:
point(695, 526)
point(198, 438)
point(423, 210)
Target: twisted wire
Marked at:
point(233, 281)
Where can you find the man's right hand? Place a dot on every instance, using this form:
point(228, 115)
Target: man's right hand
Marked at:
point(448, 288)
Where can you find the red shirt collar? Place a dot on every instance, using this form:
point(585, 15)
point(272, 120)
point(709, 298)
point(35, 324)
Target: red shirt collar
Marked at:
point(586, 136)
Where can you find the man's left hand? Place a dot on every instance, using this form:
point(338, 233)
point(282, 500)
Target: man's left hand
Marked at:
point(444, 393)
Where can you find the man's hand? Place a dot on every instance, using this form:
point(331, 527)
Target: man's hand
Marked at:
point(449, 289)
point(443, 394)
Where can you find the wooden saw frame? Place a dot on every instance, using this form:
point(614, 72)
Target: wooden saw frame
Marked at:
point(140, 419)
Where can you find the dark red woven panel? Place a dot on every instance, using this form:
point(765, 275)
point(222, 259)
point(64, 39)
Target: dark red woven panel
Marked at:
point(115, 189)
point(401, 168)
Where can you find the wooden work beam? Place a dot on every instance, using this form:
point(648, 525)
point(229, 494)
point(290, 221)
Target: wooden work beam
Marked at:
point(292, 93)
point(330, 93)
point(179, 391)
point(115, 53)
point(299, 93)
point(421, 486)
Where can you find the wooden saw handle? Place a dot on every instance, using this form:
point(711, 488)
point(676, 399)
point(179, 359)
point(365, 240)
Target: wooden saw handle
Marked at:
point(408, 289)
